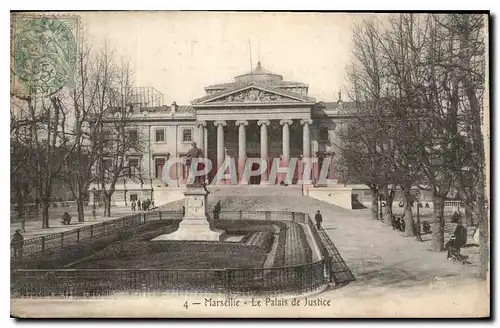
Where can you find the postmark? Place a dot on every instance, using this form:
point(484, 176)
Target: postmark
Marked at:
point(44, 53)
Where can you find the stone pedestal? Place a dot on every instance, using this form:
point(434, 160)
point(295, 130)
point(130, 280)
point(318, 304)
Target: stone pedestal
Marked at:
point(194, 225)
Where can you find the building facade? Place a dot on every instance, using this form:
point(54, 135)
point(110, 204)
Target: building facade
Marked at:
point(258, 115)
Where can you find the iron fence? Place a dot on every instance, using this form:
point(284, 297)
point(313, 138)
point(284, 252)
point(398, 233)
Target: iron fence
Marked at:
point(102, 282)
point(99, 282)
point(264, 215)
point(43, 245)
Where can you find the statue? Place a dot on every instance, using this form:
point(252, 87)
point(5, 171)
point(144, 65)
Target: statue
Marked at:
point(196, 152)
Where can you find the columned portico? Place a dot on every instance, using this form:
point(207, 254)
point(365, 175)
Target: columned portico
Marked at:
point(263, 148)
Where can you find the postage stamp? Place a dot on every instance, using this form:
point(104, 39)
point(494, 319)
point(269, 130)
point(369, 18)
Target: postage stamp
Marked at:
point(44, 53)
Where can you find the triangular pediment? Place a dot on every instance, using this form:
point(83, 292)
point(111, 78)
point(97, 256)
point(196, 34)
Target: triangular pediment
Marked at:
point(252, 94)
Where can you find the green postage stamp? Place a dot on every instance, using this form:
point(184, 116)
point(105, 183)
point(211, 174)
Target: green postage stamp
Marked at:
point(43, 53)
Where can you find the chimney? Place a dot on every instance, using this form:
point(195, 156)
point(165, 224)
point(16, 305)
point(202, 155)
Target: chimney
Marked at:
point(173, 107)
point(340, 97)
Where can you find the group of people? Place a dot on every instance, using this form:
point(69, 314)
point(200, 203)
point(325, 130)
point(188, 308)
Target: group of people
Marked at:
point(145, 205)
point(398, 223)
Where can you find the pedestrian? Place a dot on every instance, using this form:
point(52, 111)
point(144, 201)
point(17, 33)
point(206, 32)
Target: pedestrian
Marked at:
point(217, 210)
point(66, 218)
point(132, 206)
point(460, 235)
point(139, 205)
point(457, 216)
point(319, 218)
point(18, 243)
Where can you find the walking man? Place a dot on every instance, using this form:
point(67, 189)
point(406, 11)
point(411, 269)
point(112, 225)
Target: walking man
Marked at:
point(18, 243)
point(319, 218)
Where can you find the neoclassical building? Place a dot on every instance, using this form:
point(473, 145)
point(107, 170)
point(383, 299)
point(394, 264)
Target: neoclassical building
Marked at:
point(257, 115)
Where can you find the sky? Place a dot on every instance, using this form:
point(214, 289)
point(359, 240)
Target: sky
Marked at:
point(179, 53)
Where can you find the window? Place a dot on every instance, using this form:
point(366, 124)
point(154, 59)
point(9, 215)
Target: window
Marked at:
point(160, 135)
point(133, 197)
point(187, 135)
point(159, 163)
point(133, 166)
point(132, 134)
point(323, 134)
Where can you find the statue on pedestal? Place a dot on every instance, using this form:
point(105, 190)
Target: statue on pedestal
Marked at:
point(195, 152)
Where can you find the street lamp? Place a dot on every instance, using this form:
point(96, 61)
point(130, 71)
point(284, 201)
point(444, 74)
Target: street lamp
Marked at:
point(93, 205)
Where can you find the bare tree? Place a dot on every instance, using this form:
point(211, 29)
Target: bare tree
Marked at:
point(92, 72)
point(45, 120)
point(114, 143)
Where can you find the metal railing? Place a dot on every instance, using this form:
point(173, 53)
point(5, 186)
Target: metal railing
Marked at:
point(336, 269)
point(98, 282)
point(102, 282)
point(44, 245)
point(264, 215)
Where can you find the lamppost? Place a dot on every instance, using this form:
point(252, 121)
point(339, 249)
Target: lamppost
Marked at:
point(125, 191)
point(93, 205)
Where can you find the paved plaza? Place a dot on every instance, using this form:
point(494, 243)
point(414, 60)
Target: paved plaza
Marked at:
point(34, 226)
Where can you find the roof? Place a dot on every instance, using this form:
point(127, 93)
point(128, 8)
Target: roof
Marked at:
point(180, 109)
point(335, 105)
point(241, 84)
point(264, 86)
point(259, 70)
point(258, 74)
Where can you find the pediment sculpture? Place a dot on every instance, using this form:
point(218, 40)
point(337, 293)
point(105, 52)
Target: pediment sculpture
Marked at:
point(254, 95)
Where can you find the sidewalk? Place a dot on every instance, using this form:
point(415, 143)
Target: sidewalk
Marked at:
point(34, 227)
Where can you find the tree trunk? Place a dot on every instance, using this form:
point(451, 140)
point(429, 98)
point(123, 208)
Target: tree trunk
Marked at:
point(388, 211)
point(374, 208)
point(79, 205)
point(20, 205)
point(418, 236)
point(408, 216)
point(107, 206)
point(484, 242)
point(438, 224)
point(389, 197)
point(45, 214)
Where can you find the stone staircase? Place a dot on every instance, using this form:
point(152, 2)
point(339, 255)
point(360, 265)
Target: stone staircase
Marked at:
point(255, 190)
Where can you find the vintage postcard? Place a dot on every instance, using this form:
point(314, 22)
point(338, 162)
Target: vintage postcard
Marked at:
point(249, 164)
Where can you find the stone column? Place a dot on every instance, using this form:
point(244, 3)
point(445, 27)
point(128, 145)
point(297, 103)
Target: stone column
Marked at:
point(205, 148)
point(201, 135)
point(242, 147)
point(306, 146)
point(286, 138)
point(286, 148)
point(263, 148)
point(315, 149)
point(220, 142)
